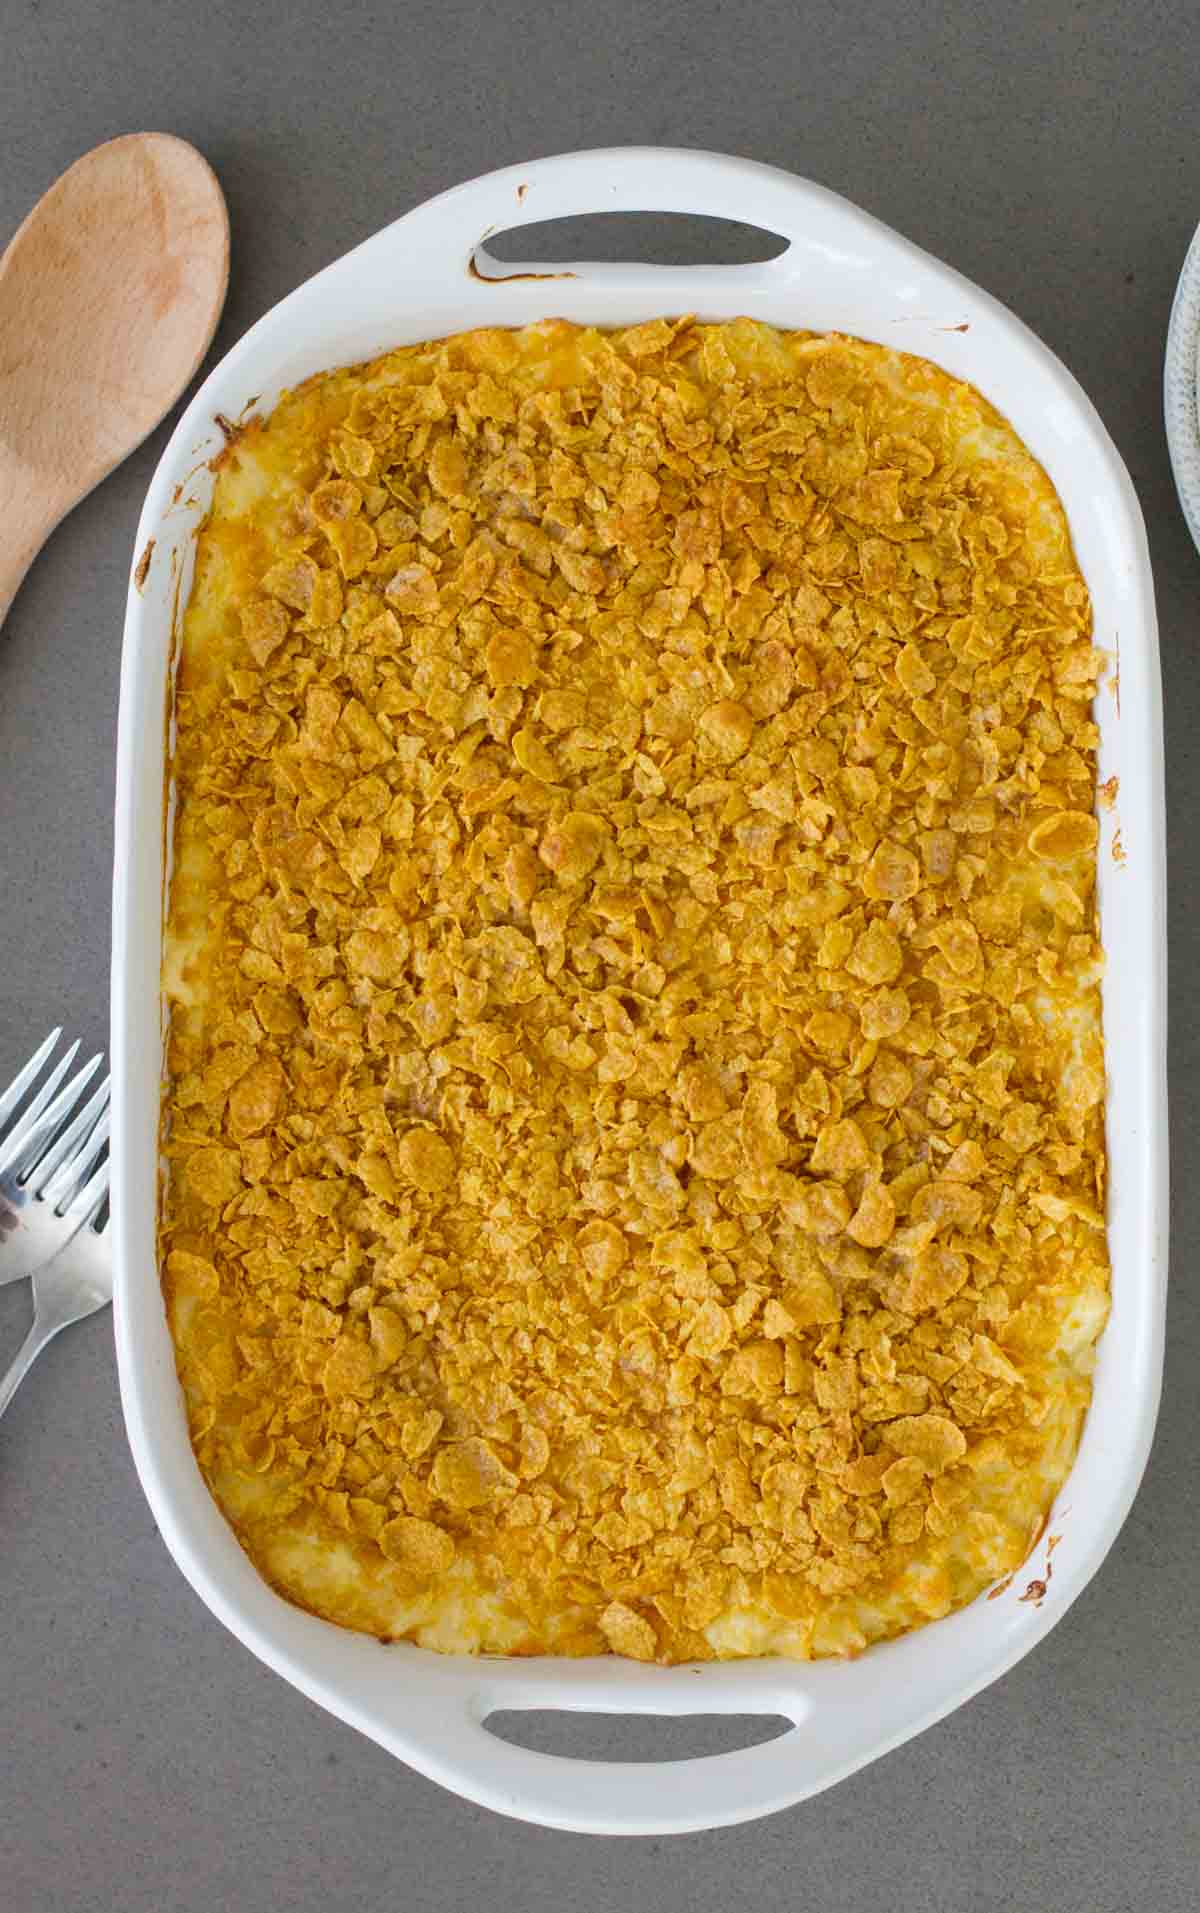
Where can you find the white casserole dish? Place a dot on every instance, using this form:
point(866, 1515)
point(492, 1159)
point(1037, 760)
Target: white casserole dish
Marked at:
point(842, 270)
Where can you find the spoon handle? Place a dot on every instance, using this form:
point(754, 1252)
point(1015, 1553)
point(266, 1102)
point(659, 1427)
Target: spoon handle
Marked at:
point(27, 517)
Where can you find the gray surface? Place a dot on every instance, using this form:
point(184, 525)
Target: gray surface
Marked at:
point(146, 1761)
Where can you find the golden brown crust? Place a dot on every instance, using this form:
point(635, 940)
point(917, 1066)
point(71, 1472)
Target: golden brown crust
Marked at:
point(635, 1091)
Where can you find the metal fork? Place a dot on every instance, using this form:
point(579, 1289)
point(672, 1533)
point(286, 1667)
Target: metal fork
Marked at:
point(53, 1187)
point(41, 1131)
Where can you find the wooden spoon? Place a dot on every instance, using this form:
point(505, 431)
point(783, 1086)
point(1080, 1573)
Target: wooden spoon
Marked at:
point(109, 296)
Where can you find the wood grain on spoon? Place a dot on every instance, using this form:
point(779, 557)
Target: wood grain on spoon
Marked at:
point(109, 297)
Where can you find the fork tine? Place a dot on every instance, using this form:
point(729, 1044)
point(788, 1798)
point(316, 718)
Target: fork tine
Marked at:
point(38, 1178)
point(33, 1109)
point(22, 1080)
point(63, 1186)
point(88, 1203)
point(36, 1130)
point(27, 1123)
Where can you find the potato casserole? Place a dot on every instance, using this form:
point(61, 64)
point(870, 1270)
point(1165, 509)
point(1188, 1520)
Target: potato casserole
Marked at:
point(633, 1129)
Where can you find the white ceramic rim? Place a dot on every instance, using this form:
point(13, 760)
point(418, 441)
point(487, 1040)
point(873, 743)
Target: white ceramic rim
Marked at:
point(842, 270)
point(1181, 371)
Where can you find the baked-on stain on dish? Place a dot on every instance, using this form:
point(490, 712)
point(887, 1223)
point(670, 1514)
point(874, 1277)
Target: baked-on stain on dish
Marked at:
point(748, 1378)
point(232, 431)
point(143, 564)
point(507, 278)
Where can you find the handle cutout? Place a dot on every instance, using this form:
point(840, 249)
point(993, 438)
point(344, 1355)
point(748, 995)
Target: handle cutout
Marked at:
point(653, 239)
point(646, 1738)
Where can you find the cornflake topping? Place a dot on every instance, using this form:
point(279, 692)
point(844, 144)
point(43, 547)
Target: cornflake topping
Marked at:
point(634, 1123)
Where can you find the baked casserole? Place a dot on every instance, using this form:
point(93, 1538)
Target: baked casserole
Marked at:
point(633, 1131)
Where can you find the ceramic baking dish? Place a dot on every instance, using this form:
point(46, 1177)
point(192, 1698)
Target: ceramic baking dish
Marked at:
point(424, 276)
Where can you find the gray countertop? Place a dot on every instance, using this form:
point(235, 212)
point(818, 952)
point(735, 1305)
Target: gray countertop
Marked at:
point(148, 1764)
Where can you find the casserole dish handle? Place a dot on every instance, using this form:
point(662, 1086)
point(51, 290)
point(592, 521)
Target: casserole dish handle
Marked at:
point(627, 1796)
point(450, 232)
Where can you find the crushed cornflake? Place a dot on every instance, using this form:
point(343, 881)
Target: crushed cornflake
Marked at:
point(634, 1119)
